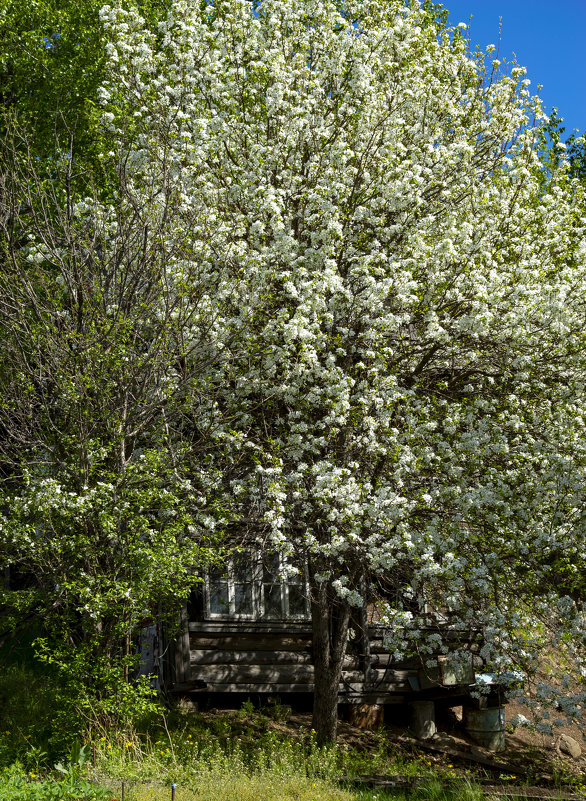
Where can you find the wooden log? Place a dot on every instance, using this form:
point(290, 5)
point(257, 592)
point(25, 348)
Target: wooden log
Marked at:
point(182, 649)
point(265, 642)
point(210, 656)
point(269, 673)
point(242, 674)
point(384, 659)
point(360, 689)
point(378, 678)
point(238, 673)
point(367, 716)
point(371, 698)
point(468, 756)
point(255, 687)
point(213, 657)
point(258, 628)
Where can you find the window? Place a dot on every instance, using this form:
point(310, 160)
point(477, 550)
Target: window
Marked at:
point(254, 586)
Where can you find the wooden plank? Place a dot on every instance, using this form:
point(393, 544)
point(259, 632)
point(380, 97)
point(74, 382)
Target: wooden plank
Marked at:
point(241, 627)
point(182, 649)
point(468, 756)
point(377, 677)
point(210, 656)
point(384, 659)
point(370, 698)
point(266, 674)
point(256, 688)
point(240, 670)
point(359, 688)
point(393, 673)
point(238, 643)
point(213, 657)
point(367, 697)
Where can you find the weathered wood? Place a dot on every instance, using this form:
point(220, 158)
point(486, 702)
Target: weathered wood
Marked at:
point(367, 716)
point(213, 657)
point(368, 697)
point(360, 689)
point(241, 627)
point(257, 687)
point(241, 674)
point(253, 687)
point(381, 659)
point(377, 679)
point(248, 643)
point(296, 673)
point(468, 756)
point(278, 656)
point(182, 649)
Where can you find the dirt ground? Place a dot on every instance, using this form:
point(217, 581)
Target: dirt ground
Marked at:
point(528, 756)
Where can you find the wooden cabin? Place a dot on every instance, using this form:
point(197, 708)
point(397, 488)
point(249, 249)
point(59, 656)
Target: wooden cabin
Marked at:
point(247, 632)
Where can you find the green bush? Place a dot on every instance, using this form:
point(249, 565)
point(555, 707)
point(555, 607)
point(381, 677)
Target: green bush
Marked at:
point(18, 785)
point(33, 727)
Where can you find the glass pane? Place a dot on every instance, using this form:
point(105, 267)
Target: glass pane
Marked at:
point(243, 599)
point(242, 568)
point(272, 601)
point(219, 599)
point(270, 567)
point(297, 605)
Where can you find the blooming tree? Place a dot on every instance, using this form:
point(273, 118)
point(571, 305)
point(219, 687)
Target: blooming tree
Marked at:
point(408, 408)
point(107, 335)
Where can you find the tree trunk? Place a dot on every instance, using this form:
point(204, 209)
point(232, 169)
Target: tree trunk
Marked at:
point(330, 617)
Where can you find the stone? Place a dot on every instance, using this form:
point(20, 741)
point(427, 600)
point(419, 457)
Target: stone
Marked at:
point(567, 745)
point(423, 719)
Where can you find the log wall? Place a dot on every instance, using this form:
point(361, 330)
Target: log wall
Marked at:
point(245, 657)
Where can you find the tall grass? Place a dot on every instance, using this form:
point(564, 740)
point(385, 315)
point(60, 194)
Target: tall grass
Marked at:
point(228, 756)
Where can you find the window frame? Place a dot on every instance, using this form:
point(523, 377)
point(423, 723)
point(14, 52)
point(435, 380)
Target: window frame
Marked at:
point(258, 584)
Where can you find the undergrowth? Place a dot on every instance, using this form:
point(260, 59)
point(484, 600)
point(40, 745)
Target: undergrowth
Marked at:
point(223, 756)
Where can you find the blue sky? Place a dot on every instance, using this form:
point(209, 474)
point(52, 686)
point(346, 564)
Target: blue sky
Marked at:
point(548, 38)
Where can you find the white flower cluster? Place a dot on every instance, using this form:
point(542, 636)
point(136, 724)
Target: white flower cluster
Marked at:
point(396, 292)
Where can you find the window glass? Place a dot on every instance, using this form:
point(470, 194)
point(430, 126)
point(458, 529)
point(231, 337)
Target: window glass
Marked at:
point(254, 586)
point(273, 606)
point(242, 567)
point(270, 566)
point(243, 599)
point(297, 602)
point(218, 598)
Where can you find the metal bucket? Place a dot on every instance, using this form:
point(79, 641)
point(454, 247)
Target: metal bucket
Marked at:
point(486, 726)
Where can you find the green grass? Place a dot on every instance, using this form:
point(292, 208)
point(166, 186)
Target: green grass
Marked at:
point(247, 755)
point(221, 757)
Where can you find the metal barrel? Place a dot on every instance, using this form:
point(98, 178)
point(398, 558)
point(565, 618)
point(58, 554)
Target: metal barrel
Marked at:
point(486, 726)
